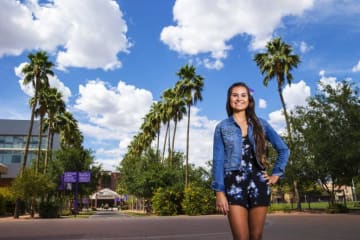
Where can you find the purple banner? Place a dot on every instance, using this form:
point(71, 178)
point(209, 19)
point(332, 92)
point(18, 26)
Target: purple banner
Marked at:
point(84, 177)
point(71, 177)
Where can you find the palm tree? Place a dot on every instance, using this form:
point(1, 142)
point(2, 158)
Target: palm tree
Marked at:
point(40, 112)
point(155, 121)
point(177, 110)
point(277, 63)
point(70, 135)
point(189, 87)
point(55, 110)
point(36, 72)
point(165, 112)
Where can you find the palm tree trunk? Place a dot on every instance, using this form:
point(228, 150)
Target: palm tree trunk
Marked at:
point(295, 183)
point(173, 142)
point(32, 207)
point(288, 127)
point(158, 141)
point(51, 144)
point(166, 133)
point(47, 150)
point(23, 165)
point(39, 146)
point(187, 148)
point(28, 139)
point(169, 143)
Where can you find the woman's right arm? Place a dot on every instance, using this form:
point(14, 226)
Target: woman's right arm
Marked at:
point(218, 162)
point(218, 172)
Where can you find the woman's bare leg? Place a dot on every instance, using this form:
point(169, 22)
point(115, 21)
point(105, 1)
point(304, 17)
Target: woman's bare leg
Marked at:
point(238, 219)
point(257, 217)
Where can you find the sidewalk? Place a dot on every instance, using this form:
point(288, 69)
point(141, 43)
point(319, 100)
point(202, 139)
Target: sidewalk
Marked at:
point(22, 217)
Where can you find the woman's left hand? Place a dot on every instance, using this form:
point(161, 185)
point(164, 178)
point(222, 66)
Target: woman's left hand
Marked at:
point(271, 180)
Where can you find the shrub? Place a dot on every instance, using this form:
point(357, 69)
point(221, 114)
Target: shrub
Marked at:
point(6, 199)
point(166, 202)
point(198, 201)
point(337, 208)
point(49, 210)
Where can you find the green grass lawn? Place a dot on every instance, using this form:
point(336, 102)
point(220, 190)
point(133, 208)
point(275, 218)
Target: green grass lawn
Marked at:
point(305, 206)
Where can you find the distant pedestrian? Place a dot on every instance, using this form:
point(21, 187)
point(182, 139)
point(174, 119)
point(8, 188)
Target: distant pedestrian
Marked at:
point(240, 176)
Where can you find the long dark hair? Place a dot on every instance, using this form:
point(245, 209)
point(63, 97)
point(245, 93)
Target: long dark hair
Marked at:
point(259, 134)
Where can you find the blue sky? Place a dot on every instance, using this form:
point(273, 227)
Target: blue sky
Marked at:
point(114, 58)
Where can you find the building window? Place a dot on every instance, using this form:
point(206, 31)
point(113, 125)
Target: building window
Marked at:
point(16, 159)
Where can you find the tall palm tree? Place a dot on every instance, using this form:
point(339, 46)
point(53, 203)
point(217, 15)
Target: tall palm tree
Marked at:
point(40, 112)
point(36, 72)
point(148, 129)
point(277, 63)
point(177, 110)
point(55, 110)
point(165, 112)
point(70, 134)
point(156, 122)
point(190, 87)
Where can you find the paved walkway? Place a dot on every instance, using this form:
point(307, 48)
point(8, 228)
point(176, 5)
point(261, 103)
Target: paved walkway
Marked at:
point(109, 225)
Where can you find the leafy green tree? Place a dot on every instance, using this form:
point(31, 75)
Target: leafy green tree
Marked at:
point(72, 160)
point(142, 175)
point(331, 132)
point(301, 169)
point(30, 185)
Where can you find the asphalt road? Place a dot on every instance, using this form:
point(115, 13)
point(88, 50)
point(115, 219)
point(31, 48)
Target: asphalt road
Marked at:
point(109, 225)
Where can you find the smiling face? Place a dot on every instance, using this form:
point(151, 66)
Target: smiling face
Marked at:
point(239, 99)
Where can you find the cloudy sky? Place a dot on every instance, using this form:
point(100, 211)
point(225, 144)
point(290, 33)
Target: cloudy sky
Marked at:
point(115, 58)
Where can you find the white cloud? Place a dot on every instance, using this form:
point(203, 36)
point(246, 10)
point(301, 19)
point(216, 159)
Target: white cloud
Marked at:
point(54, 82)
point(356, 68)
point(112, 114)
point(212, 64)
point(304, 47)
point(207, 26)
point(262, 103)
point(86, 34)
point(326, 80)
point(296, 94)
point(115, 111)
point(277, 121)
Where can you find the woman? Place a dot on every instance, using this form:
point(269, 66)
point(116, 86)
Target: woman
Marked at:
point(241, 183)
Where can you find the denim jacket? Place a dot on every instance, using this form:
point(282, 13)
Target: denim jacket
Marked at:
point(227, 150)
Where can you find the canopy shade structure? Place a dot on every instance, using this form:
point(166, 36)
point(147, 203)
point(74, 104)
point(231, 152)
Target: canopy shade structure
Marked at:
point(105, 197)
point(105, 193)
